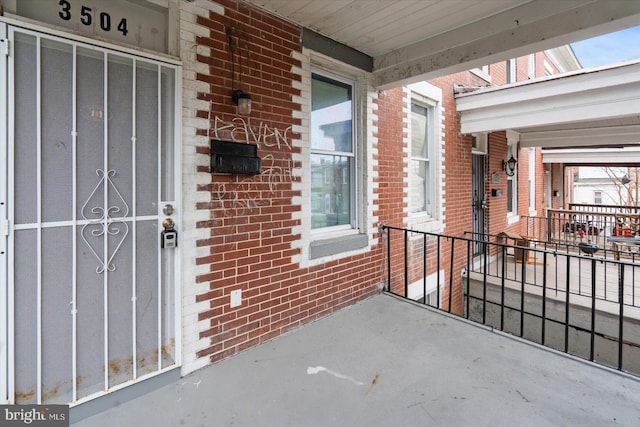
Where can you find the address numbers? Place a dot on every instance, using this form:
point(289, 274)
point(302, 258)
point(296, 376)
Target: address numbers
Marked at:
point(89, 17)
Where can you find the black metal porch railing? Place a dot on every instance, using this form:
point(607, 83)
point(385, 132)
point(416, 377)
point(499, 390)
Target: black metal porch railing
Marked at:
point(584, 305)
point(576, 225)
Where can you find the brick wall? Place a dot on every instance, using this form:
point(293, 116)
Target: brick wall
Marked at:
point(392, 161)
point(392, 156)
point(245, 230)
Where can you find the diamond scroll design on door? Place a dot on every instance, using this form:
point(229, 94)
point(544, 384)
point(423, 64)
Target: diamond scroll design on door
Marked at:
point(104, 221)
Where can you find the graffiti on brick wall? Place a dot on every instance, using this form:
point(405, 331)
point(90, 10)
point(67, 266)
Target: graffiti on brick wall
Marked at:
point(244, 196)
point(238, 198)
point(242, 130)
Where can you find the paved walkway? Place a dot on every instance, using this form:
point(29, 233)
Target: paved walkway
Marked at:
point(386, 362)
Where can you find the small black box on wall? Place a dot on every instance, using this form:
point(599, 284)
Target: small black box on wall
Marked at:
point(496, 192)
point(234, 158)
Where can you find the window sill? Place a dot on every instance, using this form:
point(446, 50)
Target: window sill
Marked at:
point(426, 224)
point(335, 245)
point(512, 219)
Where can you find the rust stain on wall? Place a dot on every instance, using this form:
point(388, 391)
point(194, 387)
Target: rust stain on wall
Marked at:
point(53, 392)
point(25, 396)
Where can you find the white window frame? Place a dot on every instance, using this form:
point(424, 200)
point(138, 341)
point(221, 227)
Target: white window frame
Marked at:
point(531, 66)
point(429, 96)
point(511, 70)
point(429, 136)
point(532, 181)
point(318, 246)
point(479, 143)
point(416, 290)
point(354, 192)
point(326, 173)
point(482, 72)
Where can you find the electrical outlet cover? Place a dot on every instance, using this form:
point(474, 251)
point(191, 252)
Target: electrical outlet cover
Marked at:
point(236, 298)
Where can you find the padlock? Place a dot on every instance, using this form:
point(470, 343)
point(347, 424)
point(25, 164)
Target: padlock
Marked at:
point(169, 238)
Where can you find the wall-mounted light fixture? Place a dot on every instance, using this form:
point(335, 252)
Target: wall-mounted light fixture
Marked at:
point(243, 101)
point(509, 166)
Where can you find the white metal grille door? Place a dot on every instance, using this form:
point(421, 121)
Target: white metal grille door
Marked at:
point(89, 150)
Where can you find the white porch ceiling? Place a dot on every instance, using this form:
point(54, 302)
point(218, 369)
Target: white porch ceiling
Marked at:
point(599, 107)
point(415, 40)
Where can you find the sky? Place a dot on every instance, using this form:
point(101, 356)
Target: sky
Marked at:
point(608, 48)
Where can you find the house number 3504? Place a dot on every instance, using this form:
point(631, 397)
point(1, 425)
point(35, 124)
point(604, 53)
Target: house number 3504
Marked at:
point(88, 15)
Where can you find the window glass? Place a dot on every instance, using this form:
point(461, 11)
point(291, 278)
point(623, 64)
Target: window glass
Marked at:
point(419, 169)
point(331, 115)
point(532, 178)
point(332, 152)
point(511, 182)
point(510, 195)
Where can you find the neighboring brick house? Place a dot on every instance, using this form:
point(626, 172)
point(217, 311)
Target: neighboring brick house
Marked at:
point(451, 178)
point(258, 254)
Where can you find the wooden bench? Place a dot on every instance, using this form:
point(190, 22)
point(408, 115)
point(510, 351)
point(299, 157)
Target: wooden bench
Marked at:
point(619, 243)
point(520, 255)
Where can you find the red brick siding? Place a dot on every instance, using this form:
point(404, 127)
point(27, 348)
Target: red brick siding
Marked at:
point(392, 177)
point(391, 157)
point(250, 230)
point(457, 186)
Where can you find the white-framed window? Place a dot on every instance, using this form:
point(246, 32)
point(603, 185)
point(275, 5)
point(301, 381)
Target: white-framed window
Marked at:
point(420, 167)
point(511, 70)
point(424, 143)
point(532, 179)
point(425, 290)
point(333, 151)
point(482, 72)
point(479, 143)
point(531, 66)
point(337, 135)
point(512, 184)
point(597, 197)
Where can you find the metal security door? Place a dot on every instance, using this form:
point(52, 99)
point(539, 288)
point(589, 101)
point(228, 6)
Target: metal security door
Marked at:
point(89, 149)
point(478, 202)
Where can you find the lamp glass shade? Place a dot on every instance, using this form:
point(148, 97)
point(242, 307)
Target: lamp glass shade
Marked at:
point(244, 106)
point(509, 166)
point(243, 100)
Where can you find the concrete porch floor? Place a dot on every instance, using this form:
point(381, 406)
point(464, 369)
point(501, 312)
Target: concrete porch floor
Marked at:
point(387, 362)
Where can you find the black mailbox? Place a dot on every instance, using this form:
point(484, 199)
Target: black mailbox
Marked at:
point(234, 158)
